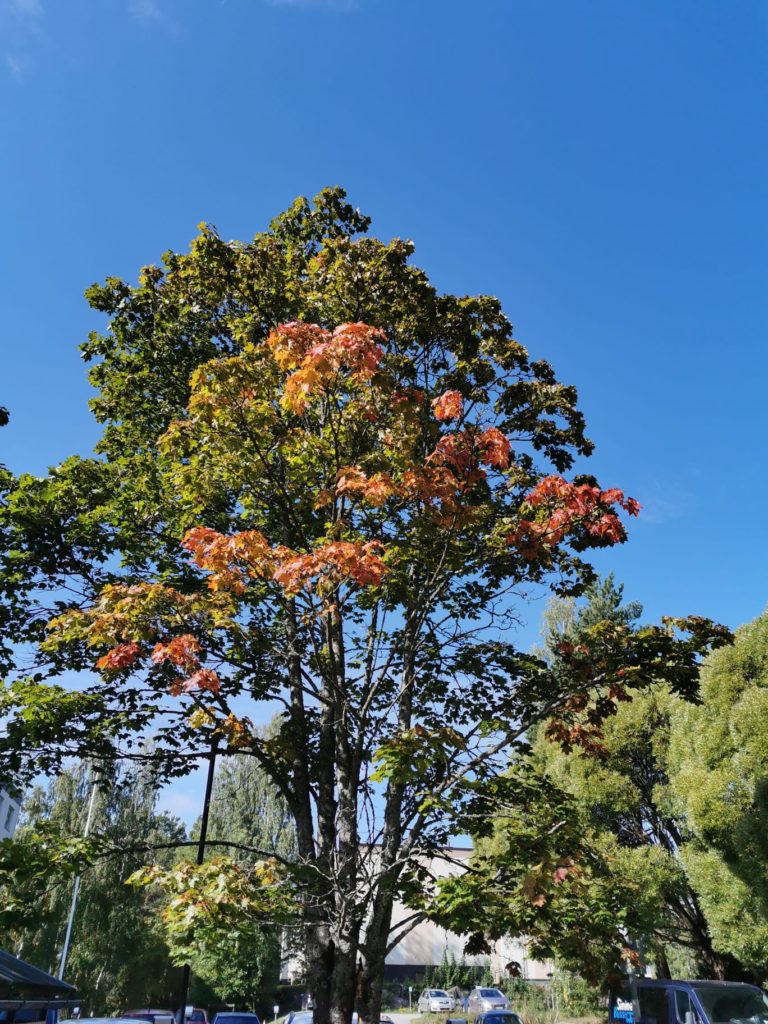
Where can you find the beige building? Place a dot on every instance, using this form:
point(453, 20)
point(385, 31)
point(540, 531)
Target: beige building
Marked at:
point(9, 814)
point(426, 945)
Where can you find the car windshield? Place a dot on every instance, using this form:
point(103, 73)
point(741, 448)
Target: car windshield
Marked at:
point(732, 1004)
point(490, 993)
point(501, 1018)
point(305, 1017)
point(239, 1018)
point(437, 993)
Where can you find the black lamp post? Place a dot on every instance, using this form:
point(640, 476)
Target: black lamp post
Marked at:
point(186, 970)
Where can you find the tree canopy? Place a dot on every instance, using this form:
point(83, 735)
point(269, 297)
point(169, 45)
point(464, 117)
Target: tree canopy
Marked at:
point(598, 854)
point(321, 486)
point(719, 766)
point(118, 957)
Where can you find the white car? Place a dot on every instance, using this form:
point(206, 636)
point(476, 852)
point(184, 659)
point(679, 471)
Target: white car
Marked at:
point(480, 1000)
point(435, 1000)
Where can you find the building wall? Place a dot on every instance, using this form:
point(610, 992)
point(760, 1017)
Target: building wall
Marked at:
point(427, 944)
point(9, 814)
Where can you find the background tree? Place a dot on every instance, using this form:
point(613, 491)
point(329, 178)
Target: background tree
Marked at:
point(597, 835)
point(247, 809)
point(625, 792)
point(719, 777)
point(321, 484)
point(118, 957)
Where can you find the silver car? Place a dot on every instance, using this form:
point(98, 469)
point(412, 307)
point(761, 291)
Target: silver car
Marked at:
point(481, 1000)
point(435, 1000)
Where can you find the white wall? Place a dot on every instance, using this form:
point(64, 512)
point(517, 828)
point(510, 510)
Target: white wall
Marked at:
point(427, 943)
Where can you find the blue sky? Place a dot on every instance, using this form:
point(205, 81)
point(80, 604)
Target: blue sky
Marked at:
point(600, 166)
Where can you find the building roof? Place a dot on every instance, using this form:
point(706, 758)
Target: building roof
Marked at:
point(18, 978)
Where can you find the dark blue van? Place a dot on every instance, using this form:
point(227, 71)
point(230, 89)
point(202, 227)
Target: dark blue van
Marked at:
point(647, 1001)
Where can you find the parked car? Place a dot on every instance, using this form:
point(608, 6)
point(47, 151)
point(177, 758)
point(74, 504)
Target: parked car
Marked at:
point(298, 1017)
point(688, 1002)
point(151, 1016)
point(195, 1016)
point(498, 1017)
point(435, 1000)
point(232, 1017)
point(480, 1000)
point(107, 1020)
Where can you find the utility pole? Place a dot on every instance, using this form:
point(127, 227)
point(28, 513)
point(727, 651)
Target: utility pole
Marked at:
point(75, 892)
point(186, 970)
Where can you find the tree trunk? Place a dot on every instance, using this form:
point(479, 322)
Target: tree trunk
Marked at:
point(319, 951)
point(343, 982)
point(662, 965)
point(372, 979)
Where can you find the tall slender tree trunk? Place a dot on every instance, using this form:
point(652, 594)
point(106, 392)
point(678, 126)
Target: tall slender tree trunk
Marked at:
point(662, 964)
point(320, 962)
point(372, 979)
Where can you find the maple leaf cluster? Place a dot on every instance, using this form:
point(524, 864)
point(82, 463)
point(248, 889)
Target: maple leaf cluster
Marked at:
point(558, 509)
point(465, 450)
point(230, 558)
point(340, 560)
point(182, 651)
point(374, 489)
point(316, 356)
point(448, 406)
point(121, 656)
point(203, 679)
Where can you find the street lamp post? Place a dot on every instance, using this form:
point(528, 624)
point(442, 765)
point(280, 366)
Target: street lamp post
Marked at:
point(75, 891)
point(186, 970)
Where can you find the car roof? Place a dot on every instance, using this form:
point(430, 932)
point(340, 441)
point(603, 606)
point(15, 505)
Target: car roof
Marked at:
point(661, 983)
point(113, 1020)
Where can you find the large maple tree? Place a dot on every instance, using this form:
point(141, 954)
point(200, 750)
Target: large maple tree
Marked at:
point(323, 488)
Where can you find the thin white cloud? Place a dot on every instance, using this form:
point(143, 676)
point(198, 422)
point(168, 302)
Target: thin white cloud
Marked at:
point(21, 29)
point(344, 6)
point(662, 502)
point(23, 8)
point(151, 13)
point(15, 66)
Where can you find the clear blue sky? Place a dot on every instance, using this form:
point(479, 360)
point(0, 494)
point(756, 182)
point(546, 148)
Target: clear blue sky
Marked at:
point(600, 166)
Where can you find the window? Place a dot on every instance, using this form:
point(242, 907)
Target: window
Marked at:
point(733, 1002)
point(653, 1004)
point(683, 1005)
point(9, 816)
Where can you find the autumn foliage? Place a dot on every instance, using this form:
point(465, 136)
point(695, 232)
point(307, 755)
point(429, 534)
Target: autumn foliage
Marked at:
point(324, 487)
point(315, 367)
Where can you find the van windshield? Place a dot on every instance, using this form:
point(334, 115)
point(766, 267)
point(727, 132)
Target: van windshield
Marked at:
point(733, 1004)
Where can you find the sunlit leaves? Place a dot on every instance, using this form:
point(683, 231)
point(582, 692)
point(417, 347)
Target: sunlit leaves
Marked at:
point(121, 656)
point(448, 406)
point(205, 903)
